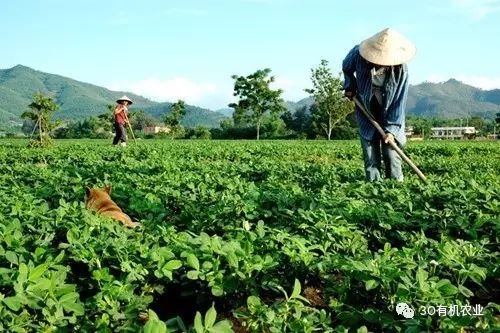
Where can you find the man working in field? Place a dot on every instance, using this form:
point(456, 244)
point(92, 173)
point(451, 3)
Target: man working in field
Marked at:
point(121, 118)
point(376, 71)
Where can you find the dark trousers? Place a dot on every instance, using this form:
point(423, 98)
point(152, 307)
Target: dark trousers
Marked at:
point(119, 134)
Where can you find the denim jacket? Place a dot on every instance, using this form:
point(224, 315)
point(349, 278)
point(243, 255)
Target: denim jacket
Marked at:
point(395, 94)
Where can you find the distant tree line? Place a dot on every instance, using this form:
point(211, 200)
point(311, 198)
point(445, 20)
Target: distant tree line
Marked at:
point(259, 112)
point(301, 123)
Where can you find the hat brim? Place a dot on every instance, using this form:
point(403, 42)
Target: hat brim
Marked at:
point(384, 58)
point(387, 48)
point(119, 101)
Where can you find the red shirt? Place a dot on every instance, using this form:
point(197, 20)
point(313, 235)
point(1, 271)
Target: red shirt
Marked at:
point(121, 116)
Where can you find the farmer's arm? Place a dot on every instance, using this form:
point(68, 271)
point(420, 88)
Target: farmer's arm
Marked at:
point(396, 112)
point(349, 67)
point(118, 109)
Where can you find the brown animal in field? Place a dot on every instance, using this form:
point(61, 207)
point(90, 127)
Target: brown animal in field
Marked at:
point(99, 200)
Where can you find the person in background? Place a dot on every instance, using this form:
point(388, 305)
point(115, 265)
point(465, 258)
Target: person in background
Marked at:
point(121, 118)
point(376, 72)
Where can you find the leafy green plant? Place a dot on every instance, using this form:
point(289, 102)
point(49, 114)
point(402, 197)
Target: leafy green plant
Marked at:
point(293, 314)
point(229, 222)
point(41, 109)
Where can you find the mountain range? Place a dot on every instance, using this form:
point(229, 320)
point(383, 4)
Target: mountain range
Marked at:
point(448, 100)
point(452, 99)
point(79, 100)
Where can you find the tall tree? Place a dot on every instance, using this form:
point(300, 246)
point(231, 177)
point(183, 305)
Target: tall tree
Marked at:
point(40, 110)
point(256, 98)
point(329, 99)
point(173, 119)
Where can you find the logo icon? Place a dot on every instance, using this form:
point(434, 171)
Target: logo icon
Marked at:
point(405, 310)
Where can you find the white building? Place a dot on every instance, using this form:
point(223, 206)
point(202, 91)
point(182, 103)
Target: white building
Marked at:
point(453, 132)
point(156, 129)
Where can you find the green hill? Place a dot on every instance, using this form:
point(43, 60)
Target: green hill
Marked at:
point(78, 100)
point(452, 99)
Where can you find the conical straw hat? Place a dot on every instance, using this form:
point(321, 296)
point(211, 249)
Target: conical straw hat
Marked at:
point(387, 48)
point(124, 98)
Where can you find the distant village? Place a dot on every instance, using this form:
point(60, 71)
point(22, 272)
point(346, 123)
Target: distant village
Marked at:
point(448, 133)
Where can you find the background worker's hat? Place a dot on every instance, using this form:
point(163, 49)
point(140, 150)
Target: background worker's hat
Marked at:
point(124, 98)
point(387, 48)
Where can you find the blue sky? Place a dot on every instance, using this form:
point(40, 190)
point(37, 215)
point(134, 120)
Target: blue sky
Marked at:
point(189, 49)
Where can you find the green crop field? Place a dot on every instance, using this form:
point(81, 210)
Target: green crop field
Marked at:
point(248, 237)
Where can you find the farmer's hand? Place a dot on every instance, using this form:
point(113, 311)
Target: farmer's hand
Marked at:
point(388, 137)
point(349, 94)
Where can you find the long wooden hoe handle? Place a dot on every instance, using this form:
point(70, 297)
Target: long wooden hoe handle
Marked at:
point(391, 143)
point(130, 128)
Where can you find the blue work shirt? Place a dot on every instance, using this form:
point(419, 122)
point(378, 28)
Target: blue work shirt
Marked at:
point(395, 94)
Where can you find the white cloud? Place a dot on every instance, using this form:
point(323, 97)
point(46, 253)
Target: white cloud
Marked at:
point(162, 90)
point(483, 82)
point(200, 93)
point(477, 9)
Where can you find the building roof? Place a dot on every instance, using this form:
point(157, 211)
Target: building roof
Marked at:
point(453, 128)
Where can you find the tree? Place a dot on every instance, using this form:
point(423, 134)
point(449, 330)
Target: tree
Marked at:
point(40, 111)
point(239, 115)
point(302, 119)
point(497, 119)
point(421, 126)
point(200, 132)
point(331, 104)
point(489, 126)
point(478, 123)
point(256, 98)
point(140, 119)
point(273, 127)
point(299, 121)
point(173, 119)
point(287, 118)
point(226, 124)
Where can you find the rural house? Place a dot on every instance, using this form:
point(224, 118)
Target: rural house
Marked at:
point(453, 133)
point(156, 129)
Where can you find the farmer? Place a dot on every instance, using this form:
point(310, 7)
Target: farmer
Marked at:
point(376, 72)
point(121, 118)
